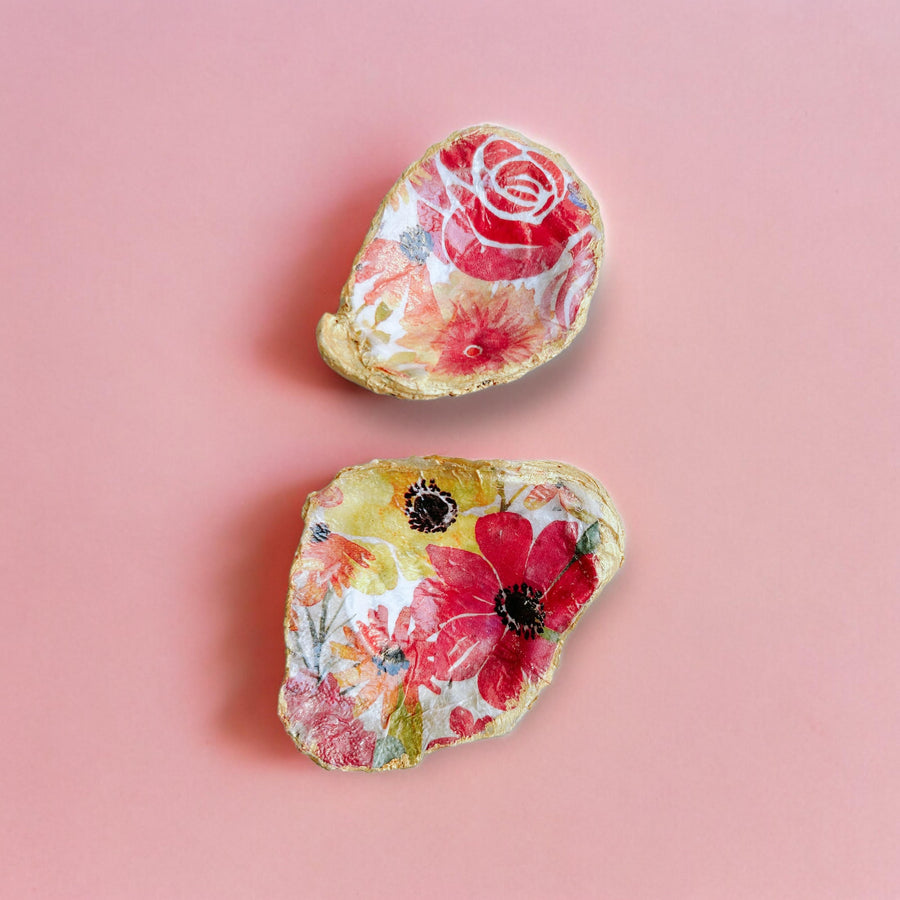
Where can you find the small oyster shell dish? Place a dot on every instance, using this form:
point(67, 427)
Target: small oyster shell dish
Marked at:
point(479, 265)
point(430, 599)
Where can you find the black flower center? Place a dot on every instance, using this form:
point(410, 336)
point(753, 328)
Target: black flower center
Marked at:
point(428, 508)
point(391, 661)
point(521, 609)
point(320, 532)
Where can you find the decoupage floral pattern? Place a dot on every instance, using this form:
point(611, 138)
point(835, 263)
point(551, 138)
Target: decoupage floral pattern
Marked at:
point(482, 258)
point(429, 599)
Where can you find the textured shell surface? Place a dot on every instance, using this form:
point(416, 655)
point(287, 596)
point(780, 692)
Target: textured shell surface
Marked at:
point(479, 265)
point(430, 599)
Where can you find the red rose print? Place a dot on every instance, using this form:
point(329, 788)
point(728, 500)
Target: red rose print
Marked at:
point(561, 297)
point(503, 211)
point(492, 609)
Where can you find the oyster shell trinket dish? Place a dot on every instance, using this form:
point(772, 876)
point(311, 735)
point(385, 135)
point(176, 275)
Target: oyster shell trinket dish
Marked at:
point(479, 266)
point(430, 599)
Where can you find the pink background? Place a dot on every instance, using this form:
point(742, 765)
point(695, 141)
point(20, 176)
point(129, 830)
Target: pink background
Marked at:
point(183, 190)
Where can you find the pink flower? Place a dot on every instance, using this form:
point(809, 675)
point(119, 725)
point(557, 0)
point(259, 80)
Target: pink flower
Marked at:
point(504, 211)
point(492, 610)
point(541, 494)
point(463, 725)
point(324, 718)
point(481, 337)
point(470, 326)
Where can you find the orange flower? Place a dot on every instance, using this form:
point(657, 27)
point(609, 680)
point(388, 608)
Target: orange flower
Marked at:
point(380, 662)
point(398, 268)
point(330, 561)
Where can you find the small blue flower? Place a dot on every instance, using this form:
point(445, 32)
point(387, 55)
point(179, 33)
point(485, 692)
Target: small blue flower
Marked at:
point(416, 244)
point(391, 661)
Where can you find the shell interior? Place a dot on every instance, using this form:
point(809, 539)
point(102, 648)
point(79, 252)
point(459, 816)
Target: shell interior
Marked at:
point(479, 265)
point(430, 599)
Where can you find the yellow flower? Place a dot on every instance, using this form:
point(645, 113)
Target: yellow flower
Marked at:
point(411, 505)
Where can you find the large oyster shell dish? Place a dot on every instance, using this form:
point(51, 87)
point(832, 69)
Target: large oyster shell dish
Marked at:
point(430, 599)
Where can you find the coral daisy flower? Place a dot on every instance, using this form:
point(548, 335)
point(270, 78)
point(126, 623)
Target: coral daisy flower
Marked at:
point(383, 663)
point(485, 337)
point(495, 612)
point(474, 326)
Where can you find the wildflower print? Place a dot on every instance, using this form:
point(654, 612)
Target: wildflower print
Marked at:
point(383, 663)
point(325, 717)
point(411, 511)
point(542, 494)
point(429, 601)
point(474, 327)
point(494, 606)
point(486, 337)
point(483, 256)
point(428, 508)
point(463, 725)
point(330, 562)
point(396, 269)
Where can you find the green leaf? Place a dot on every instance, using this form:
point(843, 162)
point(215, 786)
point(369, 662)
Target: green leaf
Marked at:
point(386, 749)
point(589, 541)
point(382, 312)
point(406, 727)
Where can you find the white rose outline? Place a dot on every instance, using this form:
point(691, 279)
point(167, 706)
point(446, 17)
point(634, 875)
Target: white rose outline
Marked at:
point(530, 199)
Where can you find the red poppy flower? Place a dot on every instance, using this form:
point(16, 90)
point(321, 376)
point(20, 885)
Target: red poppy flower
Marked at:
point(492, 609)
point(324, 720)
